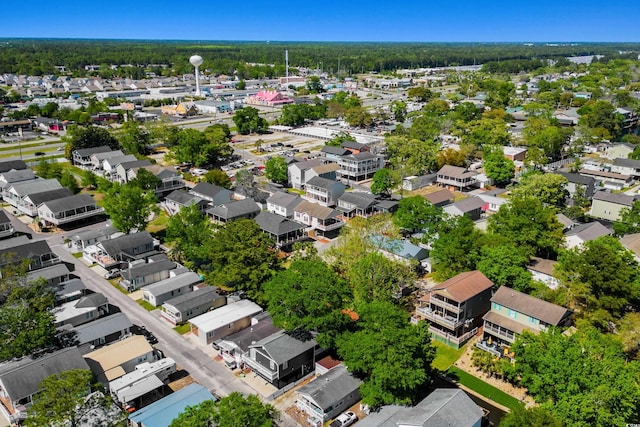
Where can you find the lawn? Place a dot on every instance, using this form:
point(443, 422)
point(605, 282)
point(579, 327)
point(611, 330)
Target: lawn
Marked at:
point(144, 304)
point(182, 328)
point(445, 355)
point(486, 390)
point(77, 254)
point(158, 223)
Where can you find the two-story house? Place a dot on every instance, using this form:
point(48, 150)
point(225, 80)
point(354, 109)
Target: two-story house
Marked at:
point(69, 209)
point(577, 181)
point(609, 206)
point(179, 199)
point(215, 194)
point(6, 227)
point(283, 231)
point(357, 204)
point(325, 192)
point(15, 194)
point(513, 312)
point(157, 268)
point(82, 157)
point(297, 172)
point(456, 177)
point(37, 253)
point(283, 204)
point(322, 219)
point(455, 307)
point(281, 359)
point(235, 345)
point(360, 166)
point(126, 248)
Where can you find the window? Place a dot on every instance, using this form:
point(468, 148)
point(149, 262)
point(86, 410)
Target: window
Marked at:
point(497, 306)
point(534, 320)
point(512, 313)
point(285, 365)
point(272, 365)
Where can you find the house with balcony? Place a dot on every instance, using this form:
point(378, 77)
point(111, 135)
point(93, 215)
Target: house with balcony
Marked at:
point(281, 359)
point(283, 204)
point(15, 176)
point(110, 165)
point(17, 194)
point(320, 219)
point(456, 178)
point(83, 310)
point(126, 248)
point(235, 345)
point(169, 179)
point(332, 154)
point(513, 312)
point(31, 202)
point(97, 159)
point(629, 167)
point(157, 268)
point(179, 199)
point(352, 204)
point(6, 227)
point(158, 293)
point(69, 209)
point(37, 253)
point(224, 321)
point(20, 379)
point(359, 167)
point(191, 304)
point(283, 231)
point(325, 192)
point(233, 210)
point(455, 307)
point(298, 171)
point(82, 157)
point(82, 239)
point(328, 395)
point(124, 172)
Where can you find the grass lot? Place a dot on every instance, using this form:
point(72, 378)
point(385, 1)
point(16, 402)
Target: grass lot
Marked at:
point(445, 355)
point(77, 254)
point(296, 191)
point(486, 390)
point(146, 305)
point(183, 328)
point(158, 223)
point(114, 283)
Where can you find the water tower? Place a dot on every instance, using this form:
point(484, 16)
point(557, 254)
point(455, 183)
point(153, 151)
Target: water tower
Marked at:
point(196, 61)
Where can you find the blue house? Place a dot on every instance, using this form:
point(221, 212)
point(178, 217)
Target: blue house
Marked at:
point(400, 249)
point(162, 412)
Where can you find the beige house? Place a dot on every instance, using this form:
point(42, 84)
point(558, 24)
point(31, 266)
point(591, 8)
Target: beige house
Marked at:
point(609, 206)
point(115, 360)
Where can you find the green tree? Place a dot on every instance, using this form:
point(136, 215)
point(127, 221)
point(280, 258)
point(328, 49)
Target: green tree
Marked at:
point(339, 138)
point(129, 207)
point(451, 156)
point(420, 93)
point(64, 400)
point(392, 355)
point(146, 180)
point(602, 115)
point(358, 117)
point(217, 177)
point(48, 170)
point(78, 138)
point(399, 110)
point(533, 417)
point(505, 265)
point(234, 410)
point(529, 225)
point(374, 277)
point(600, 275)
point(417, 214)
point(549, 189)
point(248, 120)
point(309, 295)
point(457, 248)
point(134, 137)
point(241, 85)
point(244, 183)
point(88, 179)
point(412, 156)
point(201, 148)
point(69, 180)
point(629, 220)
point(241, 256)
point(383, 182)
point(314, 85)
point(189, 231)
point(49, 109)
point(497, 167)
point(275, 169)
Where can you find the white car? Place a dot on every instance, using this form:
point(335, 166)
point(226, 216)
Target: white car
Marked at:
point(345, 419)
point(198, 172)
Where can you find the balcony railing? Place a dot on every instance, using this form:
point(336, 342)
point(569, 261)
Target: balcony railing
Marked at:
point(493, 348)
point(499, 332)
point(456, 340)
point(441, 303)
point(264, 372)
point(329, 227)
point(450, 322)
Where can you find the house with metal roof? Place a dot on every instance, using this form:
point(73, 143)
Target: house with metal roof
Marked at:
point(121, 357)
point(20, 379)
point(400, 249)
point(329, 395)
point(162, 412)
point(281, 358)
point(455, 307)
point(69, 209)
point(283, 231)
point(513, 312)
point(145, 274)
point(191, 304)
point(157, 293)
point(104, 330)
point(233, 210)
point(223, 321)
point(442, 407)
point(235, 345)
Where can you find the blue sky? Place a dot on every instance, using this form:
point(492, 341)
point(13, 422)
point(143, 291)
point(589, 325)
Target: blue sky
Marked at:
point(357, 20)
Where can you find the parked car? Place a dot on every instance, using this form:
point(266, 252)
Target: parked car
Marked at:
point(111, 274)
point(142, 330)
point(345, 419)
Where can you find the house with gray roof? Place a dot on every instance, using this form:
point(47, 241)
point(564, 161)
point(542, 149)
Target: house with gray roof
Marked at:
point(456, 177)
point(283, 204)
point(513, 312)
point(216, 195)
point(82, 239)
point(37, 253)
point(158, 293)
point(8, 165)
point(471, 207)
point(235, 345)
point(353, 203)
point(626, 167)
point(297, 172)
point(145, 274)
point(69, 209)
point(20, 380)
point(332, 154)
point(609, 206)
point(281, 358)
point(576, 181)
point(83, 310)
point(82, 157)
point(98, 157)
point(359, 166)
point(191, 304)
point(123, 169)
point(168, 178)
point(53, 275)
point(6, 227)
point(323, 191)
point(102, 331)
point(15, 194)
point(329, 395)
point(69, 290)
point(178, 199)
point(316, 217)
point(109, 165)
point(442, 407)
point(231, 211)
point(283, 231)
point(580, 234)
point(32, 201)
point(125, 248)
point(14, 176)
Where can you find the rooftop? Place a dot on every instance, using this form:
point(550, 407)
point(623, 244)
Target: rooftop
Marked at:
point(225, 315)
point(464, 286)
point(547, 312)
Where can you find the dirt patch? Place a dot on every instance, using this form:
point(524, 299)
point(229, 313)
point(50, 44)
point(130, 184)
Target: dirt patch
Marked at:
point(181, 382)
